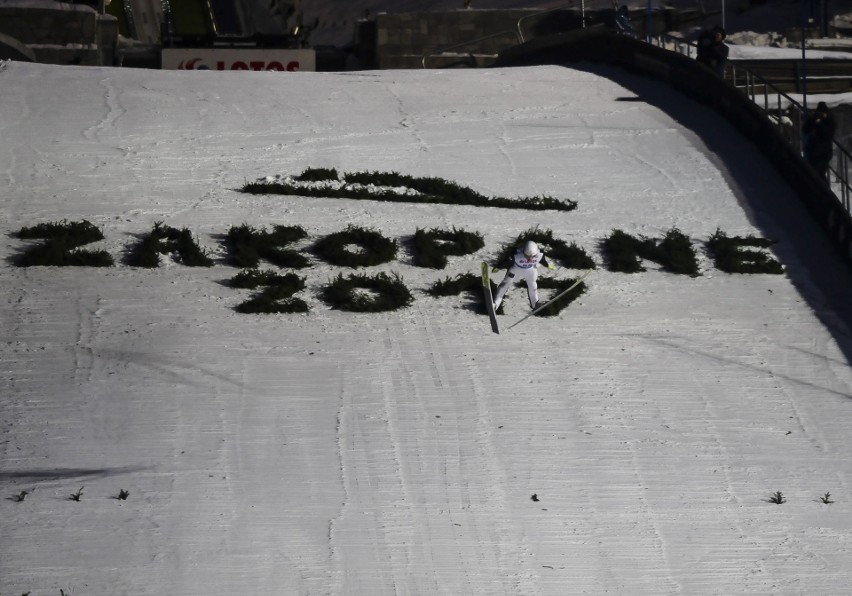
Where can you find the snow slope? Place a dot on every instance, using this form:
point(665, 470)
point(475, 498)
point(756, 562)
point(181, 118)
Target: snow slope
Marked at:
point(399, 453)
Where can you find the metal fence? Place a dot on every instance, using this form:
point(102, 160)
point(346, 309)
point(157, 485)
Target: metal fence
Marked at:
point(787, 113)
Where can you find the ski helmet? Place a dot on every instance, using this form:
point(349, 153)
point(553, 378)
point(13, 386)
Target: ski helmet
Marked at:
point(530, 249)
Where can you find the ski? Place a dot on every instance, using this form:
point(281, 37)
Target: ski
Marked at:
point(489, 299)
point(557, 297)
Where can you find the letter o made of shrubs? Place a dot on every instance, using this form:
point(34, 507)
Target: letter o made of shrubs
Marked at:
point(434, 245)
point(384, 292)
point(376, 248)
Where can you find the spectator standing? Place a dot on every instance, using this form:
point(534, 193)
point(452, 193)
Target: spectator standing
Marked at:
point(712, 51)
point(818, 137)
point(622, 22)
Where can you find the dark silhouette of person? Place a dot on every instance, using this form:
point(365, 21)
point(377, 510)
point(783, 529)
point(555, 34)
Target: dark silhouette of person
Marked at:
point(818, 137)
point(712, 51)
point(622, 21)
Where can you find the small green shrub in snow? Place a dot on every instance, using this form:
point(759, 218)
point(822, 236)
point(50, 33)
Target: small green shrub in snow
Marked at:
point(372, 248)
point(276, 295)
point(729, 256)
point(364, 293)
point(433, 246)
point(164, 240)
point(674, 252)
point(559, 285)
point(248, 245)
point(317, 175)
point(466, 282)
point(395, 187)
point(60, 247)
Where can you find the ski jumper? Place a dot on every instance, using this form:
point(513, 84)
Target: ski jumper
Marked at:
point(522, 267)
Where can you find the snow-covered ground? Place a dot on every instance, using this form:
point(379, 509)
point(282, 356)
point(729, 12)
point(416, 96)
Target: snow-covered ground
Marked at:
point(630, 446)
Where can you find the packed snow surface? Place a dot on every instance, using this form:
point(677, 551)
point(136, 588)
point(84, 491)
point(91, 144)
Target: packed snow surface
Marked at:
point(630, 445)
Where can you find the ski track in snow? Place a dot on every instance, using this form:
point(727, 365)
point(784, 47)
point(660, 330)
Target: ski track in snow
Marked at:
point(114, 112)
point(17, 105)
point(388, 458)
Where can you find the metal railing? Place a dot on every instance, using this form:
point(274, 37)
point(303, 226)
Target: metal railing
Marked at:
point(782, 109)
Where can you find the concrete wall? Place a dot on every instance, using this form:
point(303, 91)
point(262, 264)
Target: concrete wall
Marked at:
point(403, 38)
point(695, 81)
point(48, 25)
point(67, 34)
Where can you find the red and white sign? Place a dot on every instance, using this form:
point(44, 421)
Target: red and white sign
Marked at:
point(236, 59)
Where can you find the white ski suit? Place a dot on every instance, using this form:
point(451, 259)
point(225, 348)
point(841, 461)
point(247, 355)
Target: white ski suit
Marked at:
point(526, 268)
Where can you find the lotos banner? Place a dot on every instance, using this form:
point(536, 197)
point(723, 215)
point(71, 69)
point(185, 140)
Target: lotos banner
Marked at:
point(238, 59)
